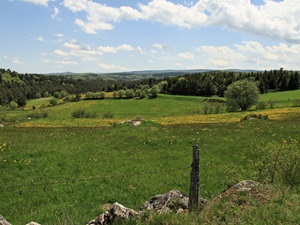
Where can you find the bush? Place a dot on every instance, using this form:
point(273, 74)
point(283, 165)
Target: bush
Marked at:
point(53, 101)
point(255, 116)
point(82, 113)
point(13, 105)
point(38, 114)
point(280, 163)
point(261, 105)
point(272, 103)
point(213, 108)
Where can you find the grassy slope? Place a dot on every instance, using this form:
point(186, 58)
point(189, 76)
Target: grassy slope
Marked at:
point(56, 175)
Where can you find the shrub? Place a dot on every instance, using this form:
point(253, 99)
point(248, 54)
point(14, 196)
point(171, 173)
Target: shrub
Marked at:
point(13, 105)
point(129, 93)
point(53, 101)
point(56, 95)
point(280, 163)
point(38, 95)
point(271, 103)
point(213, 108)
point(255, 116)
point(261, 105)
point(38, 114)
point(68, 98)
point(121, 93)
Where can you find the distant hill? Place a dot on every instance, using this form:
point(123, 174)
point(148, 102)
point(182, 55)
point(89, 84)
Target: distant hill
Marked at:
point(135, 75)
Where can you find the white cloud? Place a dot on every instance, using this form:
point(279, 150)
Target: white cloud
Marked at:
point(55, 13)
point(113, 67)
point(140, 50)
point(222, 56)
point(160, 46)
point(17, 61)
point(250, 53)
point(60, 52)
point(166, 12)
point(38, 2)
point(59, 35)
point(41, 39)
point(186, 55)
point(59, 62)
point(278, 20)
point(87, 52)
point(76, 6)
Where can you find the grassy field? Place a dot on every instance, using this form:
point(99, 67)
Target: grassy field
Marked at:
point(61, 170)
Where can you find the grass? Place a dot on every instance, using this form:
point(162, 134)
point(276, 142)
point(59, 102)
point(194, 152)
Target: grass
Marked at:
point(282, 99)
point(63, 173)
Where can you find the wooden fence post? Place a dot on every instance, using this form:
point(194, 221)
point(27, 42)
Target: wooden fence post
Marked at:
point(194, 197)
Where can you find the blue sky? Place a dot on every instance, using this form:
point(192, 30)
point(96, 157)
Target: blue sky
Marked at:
point(46, 36)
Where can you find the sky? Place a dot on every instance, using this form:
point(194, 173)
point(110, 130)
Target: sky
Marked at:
point(101, 36)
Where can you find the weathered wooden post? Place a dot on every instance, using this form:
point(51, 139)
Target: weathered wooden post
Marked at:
point(194, 197)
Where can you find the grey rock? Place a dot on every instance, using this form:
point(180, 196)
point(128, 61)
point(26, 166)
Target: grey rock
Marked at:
point(3, 221)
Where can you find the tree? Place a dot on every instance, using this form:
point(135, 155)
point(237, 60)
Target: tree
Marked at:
point(154, 91)
point(241, 95)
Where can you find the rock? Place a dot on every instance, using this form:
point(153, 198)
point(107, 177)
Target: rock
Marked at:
point(116, 212)
point(253, 189)
point(1, 125)
point(3, 221)
point(171, 201)
point(33, 223)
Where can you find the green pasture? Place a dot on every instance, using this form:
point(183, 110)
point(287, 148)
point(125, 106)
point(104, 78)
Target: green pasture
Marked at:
point(64, 175)
point(281, 99)
point(124, 109)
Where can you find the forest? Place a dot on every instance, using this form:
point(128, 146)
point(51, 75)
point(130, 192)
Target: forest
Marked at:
point(19, 87)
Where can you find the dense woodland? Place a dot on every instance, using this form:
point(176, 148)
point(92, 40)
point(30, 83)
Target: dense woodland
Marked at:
point(22, 87)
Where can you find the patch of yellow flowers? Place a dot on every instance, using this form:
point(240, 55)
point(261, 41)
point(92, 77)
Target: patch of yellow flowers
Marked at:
point(273, 114)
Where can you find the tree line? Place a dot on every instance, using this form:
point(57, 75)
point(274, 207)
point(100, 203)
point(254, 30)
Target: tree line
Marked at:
point(22, 87)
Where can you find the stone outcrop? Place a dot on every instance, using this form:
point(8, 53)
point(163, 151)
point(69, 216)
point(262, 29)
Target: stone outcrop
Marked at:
point(33, 223)
point(253, 189)
point(168, 202)
point(173, 201)
point(3, 221)
point(116, 212)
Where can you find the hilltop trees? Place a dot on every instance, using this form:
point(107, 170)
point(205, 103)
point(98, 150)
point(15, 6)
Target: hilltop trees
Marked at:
point(21, 87)
point(241, 95)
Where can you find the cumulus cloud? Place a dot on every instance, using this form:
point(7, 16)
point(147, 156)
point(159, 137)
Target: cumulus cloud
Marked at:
point(278, 20)
point(159, 46)
point(186, 55)
point(86, 52)
point(18, 62)
point(60, 62)
point(250, 53)
point(38, 2)
point(41, 39)
point(55, 13)
point(113, 67)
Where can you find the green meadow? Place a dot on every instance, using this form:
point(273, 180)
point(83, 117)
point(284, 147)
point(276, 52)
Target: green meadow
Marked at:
point(62, 170)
